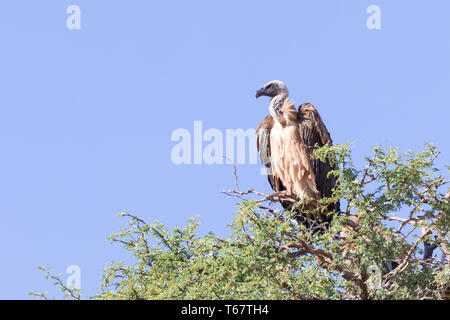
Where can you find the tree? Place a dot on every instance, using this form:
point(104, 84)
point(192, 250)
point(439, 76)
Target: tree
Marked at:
point(389, 242)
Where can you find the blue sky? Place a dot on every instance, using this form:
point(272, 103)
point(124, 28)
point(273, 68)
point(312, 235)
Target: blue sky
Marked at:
point(86, 115)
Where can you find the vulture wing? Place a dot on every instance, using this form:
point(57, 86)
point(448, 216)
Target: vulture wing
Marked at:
point(263, 145)
point(313, 131)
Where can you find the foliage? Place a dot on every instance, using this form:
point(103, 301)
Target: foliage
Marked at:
point(389, 242)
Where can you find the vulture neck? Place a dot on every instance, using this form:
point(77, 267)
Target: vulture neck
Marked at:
point(275, 105)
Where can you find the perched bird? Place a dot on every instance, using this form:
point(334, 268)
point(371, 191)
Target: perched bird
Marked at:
point(286, 140)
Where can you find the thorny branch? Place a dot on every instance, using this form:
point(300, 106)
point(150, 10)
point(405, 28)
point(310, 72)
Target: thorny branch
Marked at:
point(325, 259)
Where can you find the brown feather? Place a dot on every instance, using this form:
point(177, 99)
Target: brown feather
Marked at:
point(263, 146)
point(290, 157)
point(286, 147)
point(314, 133)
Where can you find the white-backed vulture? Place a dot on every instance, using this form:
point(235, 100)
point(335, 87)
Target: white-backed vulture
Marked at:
point(286, 140)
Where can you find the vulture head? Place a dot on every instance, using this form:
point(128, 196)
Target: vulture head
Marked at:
point(272, 89)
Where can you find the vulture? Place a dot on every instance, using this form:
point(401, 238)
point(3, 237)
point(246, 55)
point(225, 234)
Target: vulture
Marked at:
point(285, 140)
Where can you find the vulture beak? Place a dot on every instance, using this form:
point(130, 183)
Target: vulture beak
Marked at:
point(260, 93)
